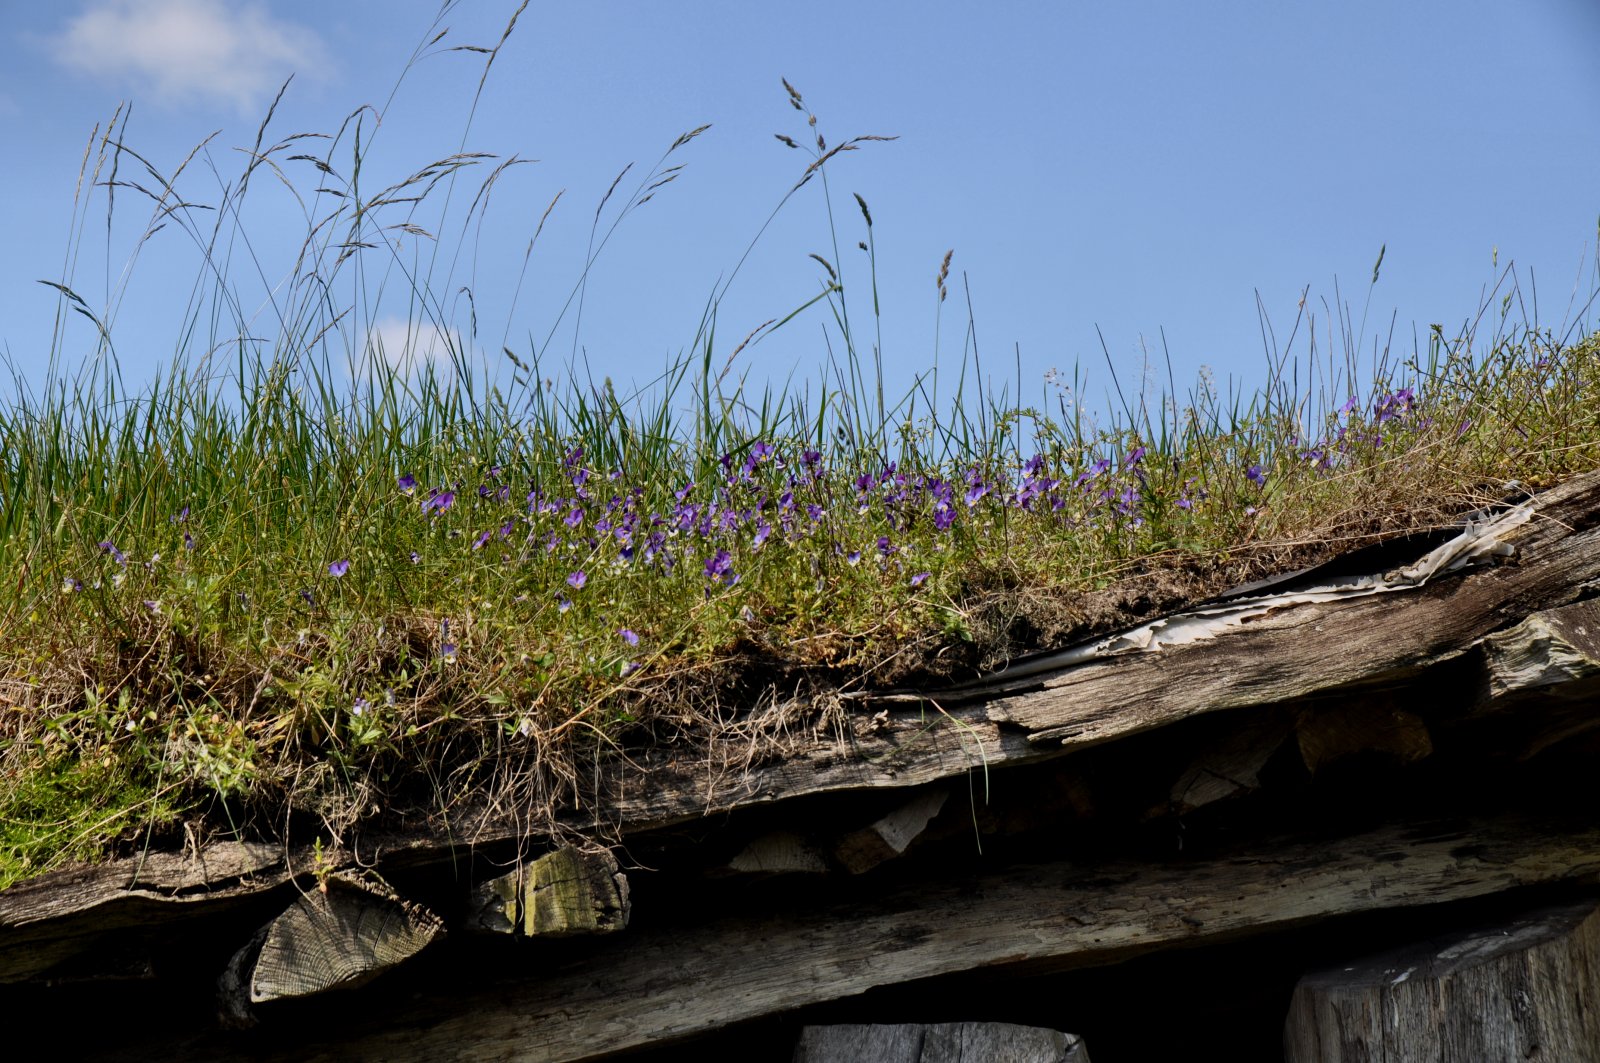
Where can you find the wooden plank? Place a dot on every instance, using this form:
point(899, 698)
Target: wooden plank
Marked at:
point(52, 919)
point(700, 977)
point(1519, 990)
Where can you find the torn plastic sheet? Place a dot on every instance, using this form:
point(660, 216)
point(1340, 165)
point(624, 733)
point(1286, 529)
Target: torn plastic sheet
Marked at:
point(1479, 542)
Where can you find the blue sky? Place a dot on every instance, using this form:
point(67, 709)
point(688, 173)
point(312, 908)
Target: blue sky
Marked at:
point(1138, 168)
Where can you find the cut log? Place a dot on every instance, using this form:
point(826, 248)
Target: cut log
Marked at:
point(943, 1042)
point(890, 836)
point(565, 893)
point(344, 933)
point(704, 976)
point(1231, 765)
point(1526, 989)
point(780, 852)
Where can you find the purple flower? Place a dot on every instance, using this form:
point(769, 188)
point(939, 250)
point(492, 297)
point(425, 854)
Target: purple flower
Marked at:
point(483, 537)
point(407, 484)
point(415, 557)
point(71, 586)
point(763, 530)
point(629, 636)
point(439, 501)
point(574, 518)
point(180, 516)
point(853, 557)
point(1135, 457)
point(885, 547)
point(718, 564)
point(359, 706)
point(577, 579)
point(1255, 475)
point(919, 579)
point(188, 541)
point(154, 607)
point(337, 569)
point(447, 652)
point(106, 547)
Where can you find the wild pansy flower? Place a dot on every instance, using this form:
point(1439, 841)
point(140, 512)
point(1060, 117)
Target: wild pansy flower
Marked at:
point(853, 557)
point(188, 541)
point(1256, 476)
point(118, 556)
point(439, 501)
point(563, 603)
point(577, 579)
point(629, 636)
point(415, 557)
point(407, 484)
point(359, 706)
point(71, 586)
point(920, 578)
point(337, 569)
point(153, 606)
point(483, 537)
point(179, 517)
point(718, 564)
point(1134, 457)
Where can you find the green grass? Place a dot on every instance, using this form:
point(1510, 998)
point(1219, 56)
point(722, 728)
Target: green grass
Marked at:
point(183, 644)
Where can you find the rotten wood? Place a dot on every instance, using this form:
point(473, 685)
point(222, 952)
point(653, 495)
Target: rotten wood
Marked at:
point(941, 1042)
point(1520, 990)
point(701, 977)
point(565, 893)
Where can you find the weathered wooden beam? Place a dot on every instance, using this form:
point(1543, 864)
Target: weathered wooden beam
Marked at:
point(940, 1042)
point(564, 893)
point(1523, 989)
point(48, 920)
point(704, 976)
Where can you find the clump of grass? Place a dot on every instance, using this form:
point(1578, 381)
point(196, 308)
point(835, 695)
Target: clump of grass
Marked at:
point(298, 582)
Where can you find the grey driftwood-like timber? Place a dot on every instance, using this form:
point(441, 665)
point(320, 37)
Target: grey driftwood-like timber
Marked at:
point(1528, 989)
point(1318, 749)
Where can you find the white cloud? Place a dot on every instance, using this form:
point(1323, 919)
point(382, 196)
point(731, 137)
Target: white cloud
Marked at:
point(185, 51)
point(409, 346)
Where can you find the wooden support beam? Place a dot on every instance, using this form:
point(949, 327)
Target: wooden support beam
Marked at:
point(1524, 989)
